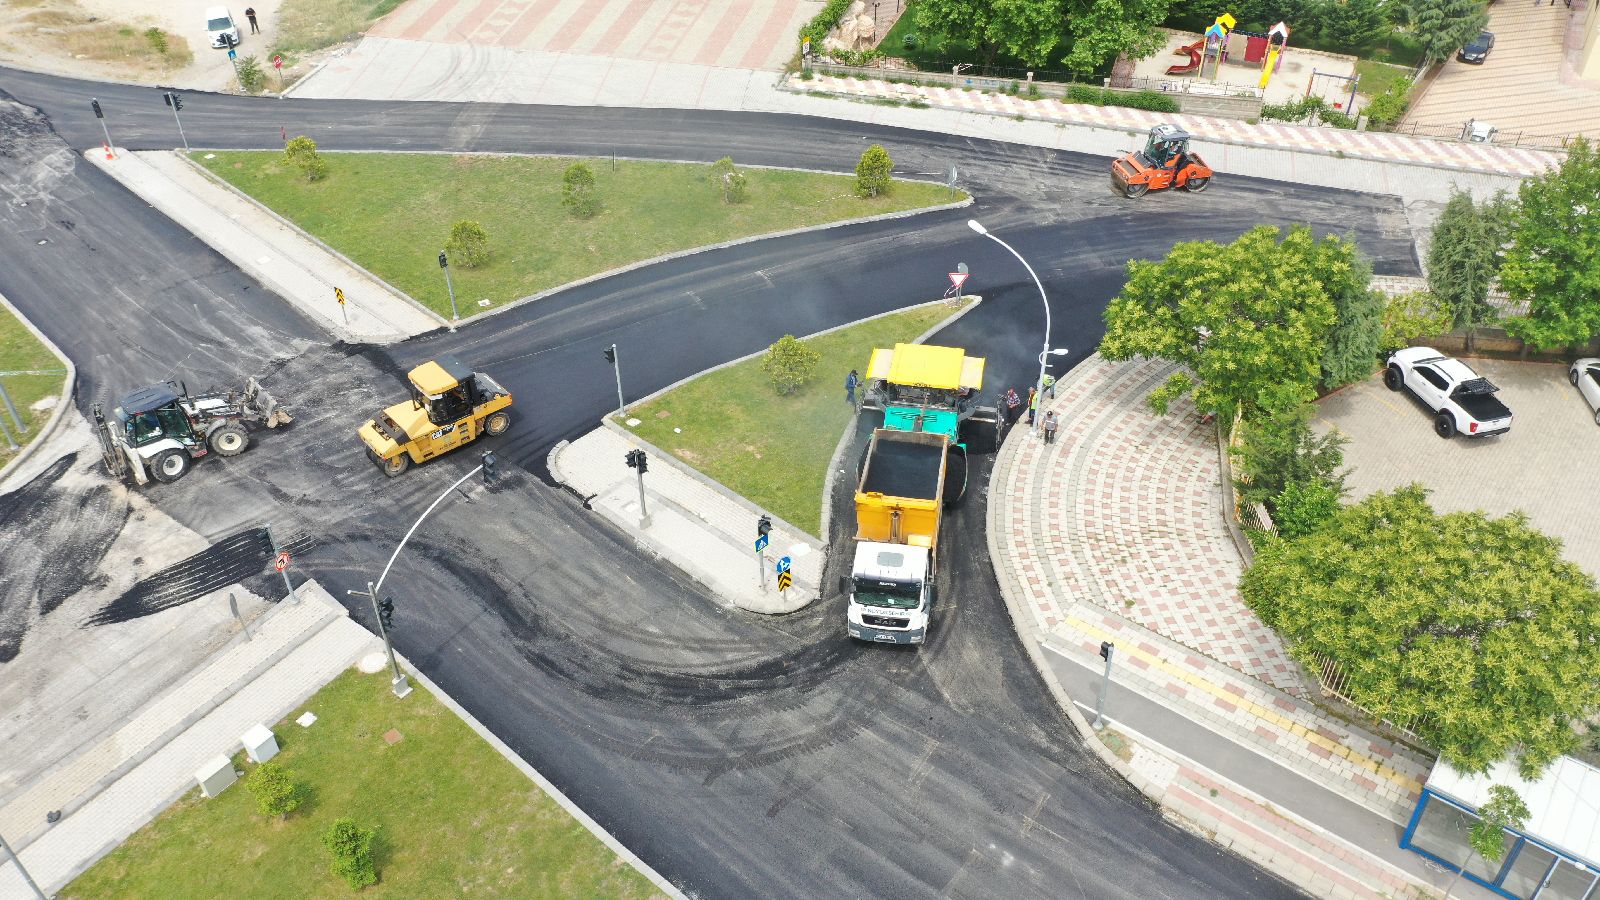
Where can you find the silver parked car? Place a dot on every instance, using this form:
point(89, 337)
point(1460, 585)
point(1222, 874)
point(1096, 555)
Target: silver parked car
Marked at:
point(1585, 376)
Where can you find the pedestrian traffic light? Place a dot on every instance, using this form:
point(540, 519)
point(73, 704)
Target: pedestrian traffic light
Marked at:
point(611, 354)
point(444, 263)
point(97, 113)
point(636, 460)
point(386, 612)
point(1106, 648)
point(491, 467)
point(644, 463)
point(173, 100)
point(763, 525)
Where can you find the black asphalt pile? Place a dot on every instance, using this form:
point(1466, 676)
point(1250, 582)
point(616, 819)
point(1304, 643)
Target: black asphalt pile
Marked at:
point(904, 469)
point(226, 562)
point(56, 529)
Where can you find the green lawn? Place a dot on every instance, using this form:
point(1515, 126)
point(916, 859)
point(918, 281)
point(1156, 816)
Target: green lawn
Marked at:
point(773, 450)
point(307, 25)
point(20, 351)
point(1376, 77)
point(455, 818)
point(392, 212)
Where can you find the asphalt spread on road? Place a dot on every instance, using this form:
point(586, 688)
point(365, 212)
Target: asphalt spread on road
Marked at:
point(739, 755)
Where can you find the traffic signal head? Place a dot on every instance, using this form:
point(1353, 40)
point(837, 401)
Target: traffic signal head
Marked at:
point(491, 467)
point(386, 612)
point(177, 102)
point(1106, 649)
point(764, 525)
point(636, 460)
point(611, 354)
point(644, 463)
point(444, 262)
point(97, 113)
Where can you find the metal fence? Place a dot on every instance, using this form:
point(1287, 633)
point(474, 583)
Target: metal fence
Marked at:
point(1457, 133)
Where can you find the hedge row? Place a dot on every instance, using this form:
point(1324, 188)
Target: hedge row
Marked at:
point(1151, 101)
point(823, 22)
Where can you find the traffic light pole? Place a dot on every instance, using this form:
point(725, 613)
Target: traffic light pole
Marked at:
point(98, 114)
point(616, 365)
point(401, 686)
point(17, 861)
point(172, 101)
point(1107, 650)
point(644, 514)
point(444, 263)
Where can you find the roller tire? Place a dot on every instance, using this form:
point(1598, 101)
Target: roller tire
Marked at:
point(497, 423)
point(395, 467)
point(1196, 185)
point(229, 440)
point(1135, 191)
point(170, 465)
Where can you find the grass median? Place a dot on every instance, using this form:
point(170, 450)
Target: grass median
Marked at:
point(21, 351)
point(454, 818)
point(392, 212)
point(773, 450)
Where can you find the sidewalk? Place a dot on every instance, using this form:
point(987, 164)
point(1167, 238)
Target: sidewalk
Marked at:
point(695, 523)
point(1336, 142)
point(1115, 533)
point(115, 787)
point(301, 270)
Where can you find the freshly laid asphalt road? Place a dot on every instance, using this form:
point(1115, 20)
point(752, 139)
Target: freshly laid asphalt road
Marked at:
point(741, 756)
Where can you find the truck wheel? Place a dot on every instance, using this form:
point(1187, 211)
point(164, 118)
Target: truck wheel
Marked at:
point(1597, 417)
point(1392, 379)
point(1572, 376)
point(1196, 185)
point(170, 465)
point(1444, 426)
point(1135, 190)
point(394, 467)
point(497, 423)
point(229, 440)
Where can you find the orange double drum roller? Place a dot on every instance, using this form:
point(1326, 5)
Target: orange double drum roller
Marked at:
point(1165, 162)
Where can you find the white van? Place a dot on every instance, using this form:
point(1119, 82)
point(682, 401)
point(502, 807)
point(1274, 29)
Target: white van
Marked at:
point(219, 24)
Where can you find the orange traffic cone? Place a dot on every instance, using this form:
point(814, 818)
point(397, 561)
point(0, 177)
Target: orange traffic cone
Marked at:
point(108, 149)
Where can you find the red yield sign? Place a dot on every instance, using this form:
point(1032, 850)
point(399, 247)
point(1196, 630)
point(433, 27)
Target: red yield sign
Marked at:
point(958, 279)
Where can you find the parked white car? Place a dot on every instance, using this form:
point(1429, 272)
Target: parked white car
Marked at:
point(1461, 402)
point(1585, 376)
point(220, 27)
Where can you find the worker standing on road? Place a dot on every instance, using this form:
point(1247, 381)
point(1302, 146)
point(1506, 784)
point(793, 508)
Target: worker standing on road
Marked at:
point(250, 13)
point(1013, 406)
point(851, 382)
point(1050, 423)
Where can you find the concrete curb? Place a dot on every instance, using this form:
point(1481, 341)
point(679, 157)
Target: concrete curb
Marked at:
point(584, 819)
point(598, 276)
point(289, 91)
point(1135, 130)
point(187, 158)
point(68, 391)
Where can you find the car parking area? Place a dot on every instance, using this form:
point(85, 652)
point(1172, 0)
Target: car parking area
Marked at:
point(1545, 465)
point(1518, 88)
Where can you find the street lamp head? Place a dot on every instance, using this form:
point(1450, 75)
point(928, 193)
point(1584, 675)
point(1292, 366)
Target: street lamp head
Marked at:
point(1060, 351)
point(977, 226)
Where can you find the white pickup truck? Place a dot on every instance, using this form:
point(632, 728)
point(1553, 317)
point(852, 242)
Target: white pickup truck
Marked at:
point(1461, 401)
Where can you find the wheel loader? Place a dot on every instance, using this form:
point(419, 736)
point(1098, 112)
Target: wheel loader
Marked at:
point(158, 431)
point(450, 406)
point(1164, 162)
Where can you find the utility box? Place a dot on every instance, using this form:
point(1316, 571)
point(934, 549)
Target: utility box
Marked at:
point(260, 744)
point(215, 776)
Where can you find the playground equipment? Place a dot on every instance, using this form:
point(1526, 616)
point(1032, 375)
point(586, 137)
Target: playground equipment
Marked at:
point(1164, 162)
point(1216, 41)
point(1193, 52)
point(1277, 40)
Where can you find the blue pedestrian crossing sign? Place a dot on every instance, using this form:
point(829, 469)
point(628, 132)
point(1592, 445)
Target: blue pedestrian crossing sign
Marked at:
point(761, 543)
point(783, 565)
point(233, 54)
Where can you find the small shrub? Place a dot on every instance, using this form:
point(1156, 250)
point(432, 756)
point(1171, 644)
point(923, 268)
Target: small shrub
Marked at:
point(729, 180)
point(301, 153)
point(856, 57)
point(468, 244)
point(910, 41)
point(1411, 316)
point(1302, 506)
point(1153, 101)
point(806, 75)
point(824, 22)
point(578, 192)
point(351, 846)
point(789, 364)
point(1082, 93)
point(1386, 109)
point(1033, 90)
point(276, 792)
point(250, 75)
point(873, 172)
point(157, 39)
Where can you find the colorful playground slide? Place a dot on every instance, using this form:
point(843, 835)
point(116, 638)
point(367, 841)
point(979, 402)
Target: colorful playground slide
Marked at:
point(1193, 52)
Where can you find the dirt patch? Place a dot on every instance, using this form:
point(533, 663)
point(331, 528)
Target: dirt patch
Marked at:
point(65, 32)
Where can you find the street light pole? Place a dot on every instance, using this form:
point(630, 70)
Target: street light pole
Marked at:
point(400, 685)
point(975, 225)
point(616, 364)
point(1107, 650)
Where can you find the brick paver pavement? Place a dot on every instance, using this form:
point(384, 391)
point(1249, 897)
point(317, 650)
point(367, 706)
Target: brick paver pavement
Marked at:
point(1115, 532)
point(1124, 511)
point(747, 34)
point(1334, 141)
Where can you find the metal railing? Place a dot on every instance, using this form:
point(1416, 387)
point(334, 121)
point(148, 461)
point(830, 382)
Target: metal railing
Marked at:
point(1333, 679)
point(1456, 134)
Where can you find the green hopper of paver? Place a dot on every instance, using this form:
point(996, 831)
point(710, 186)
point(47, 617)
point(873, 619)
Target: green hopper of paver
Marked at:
point(918, 387)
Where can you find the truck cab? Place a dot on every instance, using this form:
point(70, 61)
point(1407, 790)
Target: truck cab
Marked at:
point(891, 593)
